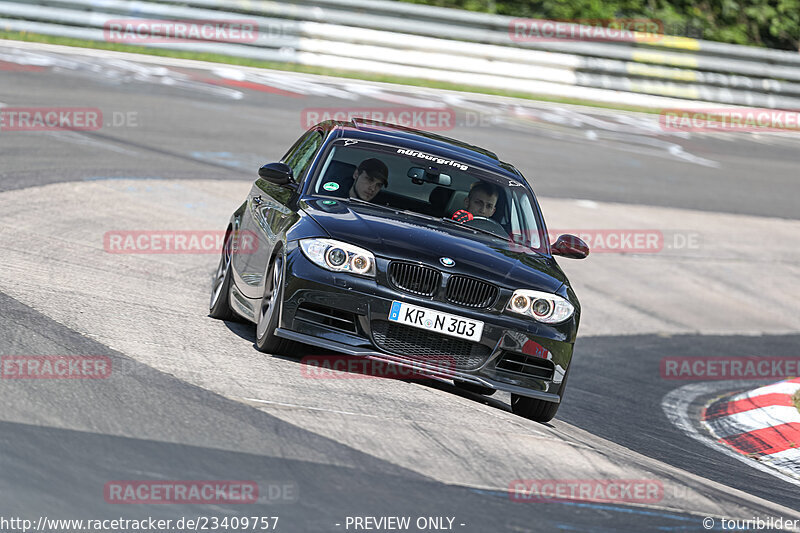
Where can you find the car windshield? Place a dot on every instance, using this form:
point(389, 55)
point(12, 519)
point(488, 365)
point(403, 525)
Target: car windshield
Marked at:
point(461, 197)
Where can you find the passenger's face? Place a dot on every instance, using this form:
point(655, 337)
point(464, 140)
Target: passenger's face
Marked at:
point(481, 204)
point(366, 187)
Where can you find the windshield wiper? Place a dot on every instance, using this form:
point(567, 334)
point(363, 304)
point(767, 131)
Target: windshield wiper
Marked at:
point(471, 228)
point(418, 214)
point(428, 217)
point(394, 209)
point(366, 202)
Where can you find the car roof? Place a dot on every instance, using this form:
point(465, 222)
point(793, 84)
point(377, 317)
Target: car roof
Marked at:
point(420, 140)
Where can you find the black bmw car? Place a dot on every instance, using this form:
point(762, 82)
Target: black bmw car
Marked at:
point(389, 243)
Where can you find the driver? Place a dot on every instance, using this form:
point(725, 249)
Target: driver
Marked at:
point(480, 202)
point(368, 179)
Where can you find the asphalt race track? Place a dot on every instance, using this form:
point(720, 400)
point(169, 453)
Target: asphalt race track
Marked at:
point(190, 398)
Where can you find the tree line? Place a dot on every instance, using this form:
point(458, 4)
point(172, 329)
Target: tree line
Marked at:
point(765, 23)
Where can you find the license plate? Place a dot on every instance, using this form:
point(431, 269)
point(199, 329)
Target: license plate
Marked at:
point(444, 323)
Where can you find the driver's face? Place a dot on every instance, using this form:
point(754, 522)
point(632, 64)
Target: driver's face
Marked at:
point(366, 187)
point(481, 204)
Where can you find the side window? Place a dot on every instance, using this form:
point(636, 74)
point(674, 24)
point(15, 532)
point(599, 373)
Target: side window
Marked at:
point(516, 226)
point(301, 154)
point(527, 215)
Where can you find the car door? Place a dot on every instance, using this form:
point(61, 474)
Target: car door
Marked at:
point(270, 212)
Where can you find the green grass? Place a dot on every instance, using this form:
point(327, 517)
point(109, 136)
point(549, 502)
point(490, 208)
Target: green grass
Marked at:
point(796, 399)
point(293, 67)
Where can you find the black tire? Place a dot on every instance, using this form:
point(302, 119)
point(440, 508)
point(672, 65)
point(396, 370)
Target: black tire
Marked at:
point(269, 312)
point(537, 410)
point(474, 388)
point(219, 306)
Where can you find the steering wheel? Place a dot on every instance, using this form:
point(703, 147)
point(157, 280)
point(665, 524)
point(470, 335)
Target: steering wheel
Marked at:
point(488, 224)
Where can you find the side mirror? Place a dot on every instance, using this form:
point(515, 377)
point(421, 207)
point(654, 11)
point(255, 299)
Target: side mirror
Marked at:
point(277, 173)
point(570, 246)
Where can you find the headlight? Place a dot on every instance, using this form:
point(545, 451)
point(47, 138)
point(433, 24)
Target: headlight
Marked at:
point(541, 306)
point(339, 256)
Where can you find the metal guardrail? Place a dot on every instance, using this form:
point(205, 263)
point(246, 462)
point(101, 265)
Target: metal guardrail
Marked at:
point(444, 44)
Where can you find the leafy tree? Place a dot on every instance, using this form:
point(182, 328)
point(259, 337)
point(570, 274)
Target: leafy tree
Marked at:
point(770, 23)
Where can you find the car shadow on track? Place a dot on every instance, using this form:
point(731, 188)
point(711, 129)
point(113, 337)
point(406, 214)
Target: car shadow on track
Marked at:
point(246, 331)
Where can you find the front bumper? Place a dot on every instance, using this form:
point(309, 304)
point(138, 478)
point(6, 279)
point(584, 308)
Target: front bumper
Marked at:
point(345, 313)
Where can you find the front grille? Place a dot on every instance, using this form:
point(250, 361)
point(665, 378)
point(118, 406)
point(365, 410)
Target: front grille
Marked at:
point(416, 279)
point(470, 292)
point(529, 365)
point(327, 316)
point(430, 347)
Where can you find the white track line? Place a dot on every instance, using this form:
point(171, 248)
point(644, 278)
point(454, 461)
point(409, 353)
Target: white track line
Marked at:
point(676, 406)
point(752, 420)
point(792, 454)
point(784, 387)
point(785, 460)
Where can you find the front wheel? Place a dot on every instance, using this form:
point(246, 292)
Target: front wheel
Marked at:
point(219, 306)
point(537, 410)
point(269, 311)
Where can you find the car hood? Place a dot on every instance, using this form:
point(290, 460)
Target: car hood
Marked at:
point(398, 235)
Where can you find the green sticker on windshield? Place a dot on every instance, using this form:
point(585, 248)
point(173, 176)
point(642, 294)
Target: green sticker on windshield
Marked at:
point(330, 186)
